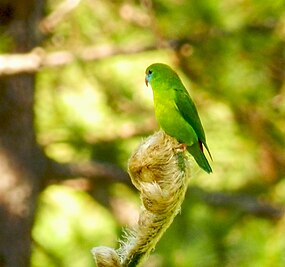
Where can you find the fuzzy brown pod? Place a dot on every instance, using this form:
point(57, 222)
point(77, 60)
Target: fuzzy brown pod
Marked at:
point(160, 170)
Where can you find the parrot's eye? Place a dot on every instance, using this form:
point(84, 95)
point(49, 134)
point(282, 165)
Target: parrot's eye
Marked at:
point(149, 72)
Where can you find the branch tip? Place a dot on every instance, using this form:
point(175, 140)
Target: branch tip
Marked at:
point(160, 171)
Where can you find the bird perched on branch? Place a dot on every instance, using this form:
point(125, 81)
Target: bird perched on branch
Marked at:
point(176, 112)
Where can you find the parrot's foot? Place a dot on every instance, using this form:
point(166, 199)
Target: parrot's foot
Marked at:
point(181, 148)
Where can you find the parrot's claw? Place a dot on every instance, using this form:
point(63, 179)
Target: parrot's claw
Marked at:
point(181, 148)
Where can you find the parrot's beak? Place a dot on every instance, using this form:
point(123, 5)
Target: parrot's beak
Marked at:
point(146, 82)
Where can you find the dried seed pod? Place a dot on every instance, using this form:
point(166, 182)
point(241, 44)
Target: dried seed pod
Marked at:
point(160, 170)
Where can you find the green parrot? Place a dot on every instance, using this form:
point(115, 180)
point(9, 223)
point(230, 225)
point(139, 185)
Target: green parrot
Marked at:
point(176, 112)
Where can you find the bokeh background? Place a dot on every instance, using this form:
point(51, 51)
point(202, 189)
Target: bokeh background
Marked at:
point(92, 107)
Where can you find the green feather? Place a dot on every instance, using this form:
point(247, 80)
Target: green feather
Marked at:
point(189, 112)
point(197, 153)
point(176, 112)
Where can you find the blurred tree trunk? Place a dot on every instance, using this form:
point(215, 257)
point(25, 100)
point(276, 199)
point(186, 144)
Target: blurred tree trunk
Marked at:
point(22, 164)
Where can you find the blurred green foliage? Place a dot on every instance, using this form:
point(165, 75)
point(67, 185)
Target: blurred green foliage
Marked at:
point(231, 56)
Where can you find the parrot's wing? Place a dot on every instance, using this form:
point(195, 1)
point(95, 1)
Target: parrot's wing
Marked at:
point(188, 110)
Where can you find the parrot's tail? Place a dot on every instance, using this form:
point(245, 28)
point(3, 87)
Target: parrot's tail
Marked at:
point(199, 157)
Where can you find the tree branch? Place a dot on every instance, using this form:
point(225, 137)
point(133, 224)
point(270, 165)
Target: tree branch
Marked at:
point(49, 23)
point(93, 170)
point(96, 171)
point(245, 203)
point(39, 58)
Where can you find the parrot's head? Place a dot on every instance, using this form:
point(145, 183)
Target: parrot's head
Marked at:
point(159, 72)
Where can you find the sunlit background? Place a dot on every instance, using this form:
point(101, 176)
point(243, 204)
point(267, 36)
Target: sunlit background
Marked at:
point(231, 57)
